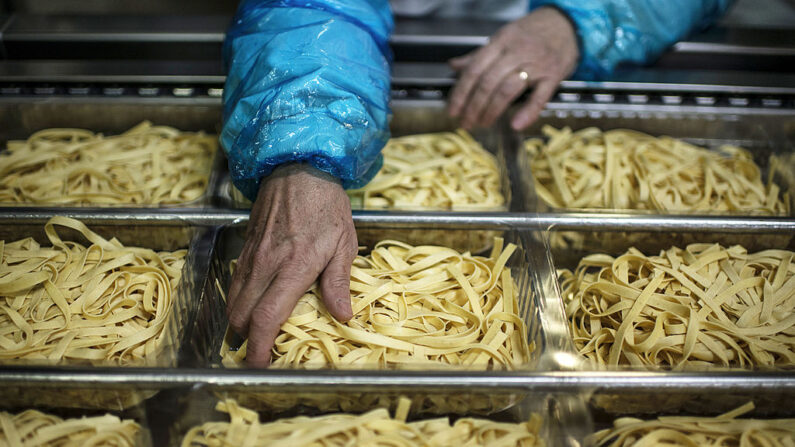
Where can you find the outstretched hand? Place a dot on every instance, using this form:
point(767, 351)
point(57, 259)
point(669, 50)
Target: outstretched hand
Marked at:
point(539, 50)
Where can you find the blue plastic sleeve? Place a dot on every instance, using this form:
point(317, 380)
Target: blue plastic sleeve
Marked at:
point(611, 32)
point(307, 81)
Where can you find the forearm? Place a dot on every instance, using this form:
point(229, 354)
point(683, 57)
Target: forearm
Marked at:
point(307, 82)
point(611, 32)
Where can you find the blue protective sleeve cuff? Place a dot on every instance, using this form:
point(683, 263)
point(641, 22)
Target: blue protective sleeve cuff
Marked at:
point(611, 32)
point(307, 81)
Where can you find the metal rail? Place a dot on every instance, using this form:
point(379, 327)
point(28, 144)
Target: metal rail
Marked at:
point(533, 221)
point(276, 380)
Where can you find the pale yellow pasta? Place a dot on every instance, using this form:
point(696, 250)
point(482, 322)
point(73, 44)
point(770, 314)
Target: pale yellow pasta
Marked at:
point(32, 428)
point(425, 403)
point(373, 429)
point(704, 306)
point(101, 304)
point(413, 307)
point(624, 169)
point(439, 170)
point(726, 430)
point(146, 165)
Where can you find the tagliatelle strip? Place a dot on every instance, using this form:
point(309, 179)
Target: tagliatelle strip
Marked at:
point(375, 428)
point(101, 304)
point(413, 307)
point(145, 165)
point(703, 306)
point(426, 403)
point(624, 169)
point(440, 170)
point(32, 428)
point(686, 431)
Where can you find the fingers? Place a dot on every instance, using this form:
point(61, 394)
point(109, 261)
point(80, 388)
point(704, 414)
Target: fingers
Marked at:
point(500, 84)
point(273, 308)
point(238, 279)
point(530, 111)
point(236, 312)
point(480, 62)
point(459, 63)
point(253, 276)
point(510, 89)
point(335, 282)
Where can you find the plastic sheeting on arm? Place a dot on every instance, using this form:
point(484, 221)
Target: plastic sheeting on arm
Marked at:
point(611, 32)
point(307, 81)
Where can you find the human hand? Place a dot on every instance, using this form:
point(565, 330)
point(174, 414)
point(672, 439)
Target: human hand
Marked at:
point(542, 44)
point(300, 228)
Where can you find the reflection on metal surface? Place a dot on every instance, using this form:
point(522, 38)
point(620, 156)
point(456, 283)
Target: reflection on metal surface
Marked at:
point(568, 381)
point(542, 221)
point(567, 360)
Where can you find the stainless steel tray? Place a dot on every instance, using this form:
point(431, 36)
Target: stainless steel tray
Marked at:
point(23, 117)
point(766, 407)
point(565, 418)
point(426, 116)
point(579, 244)
point(137, 413)
point(526, 265)
point(198, 241)
point(766, 133)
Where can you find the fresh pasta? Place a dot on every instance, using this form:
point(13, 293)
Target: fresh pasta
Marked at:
point(100, 304)
point(702, 306)
point(345, 401)
point(32, 428)
point(624, 169)
point(413, 307)
point(726, 430)
point(147, 164)
point(372, 429)
point(448, 170)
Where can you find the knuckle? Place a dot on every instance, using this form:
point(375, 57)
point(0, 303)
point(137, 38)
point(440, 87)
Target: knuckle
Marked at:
point(260, 268)
point(506, 90)
point(238, 321)
point(479, 98)
point(489, 83)
point(293, 275)
point(337, 286)
point(351, 251)
point(297, 260)
point(474, 71)
point(264, 316)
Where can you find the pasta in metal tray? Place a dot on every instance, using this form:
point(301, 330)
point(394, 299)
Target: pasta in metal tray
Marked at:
point(32, 428)
point(725, 430)
point(702, 306)
point(100, 304)
point(414, 307)
point(448, 170)
point(375, 428)
point(147, 164)
point(623, 169)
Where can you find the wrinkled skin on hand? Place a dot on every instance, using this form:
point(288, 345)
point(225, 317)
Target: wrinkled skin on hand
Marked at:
point(300, 231)
point(543, 44)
